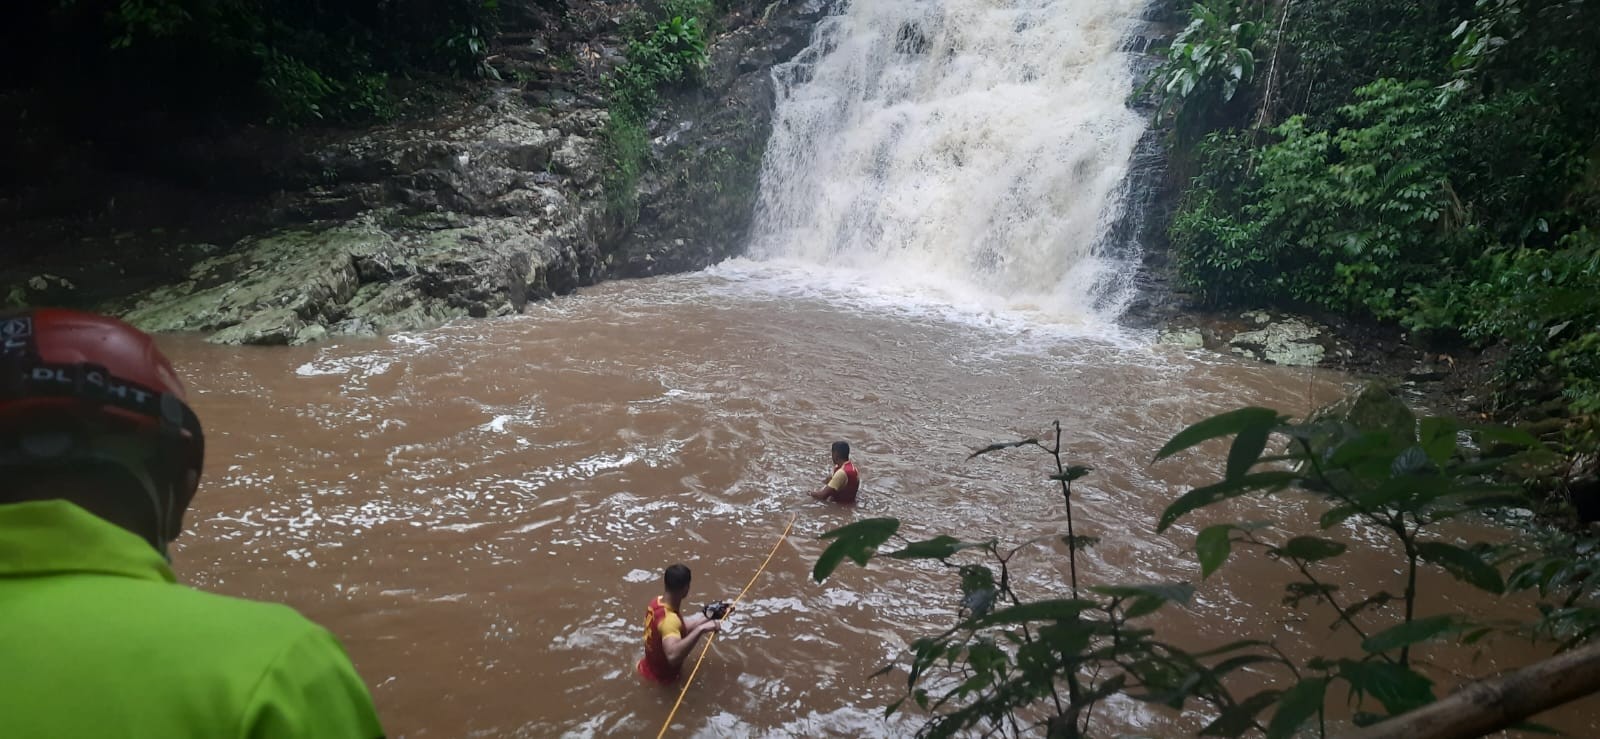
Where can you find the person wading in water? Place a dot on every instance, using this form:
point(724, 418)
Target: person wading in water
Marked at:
point(100, 457)
point(842, 485)
point(668, 637)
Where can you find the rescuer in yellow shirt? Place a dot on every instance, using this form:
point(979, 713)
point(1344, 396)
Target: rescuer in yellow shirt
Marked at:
point(843, 483)
point(668, 636)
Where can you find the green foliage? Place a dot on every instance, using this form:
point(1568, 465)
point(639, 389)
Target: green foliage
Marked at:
point(465, 51)
point(304, 61)
point(1438, 165)
point(145, 18)
point(666, 48)
point(1344, 219)
point(1397, 483)
point(1008, 657)
point(1013, 665)
point(1566, 576)
point(860, 540)
point(627, 145)
point(1331, 49)
point(1208, 62)
point(1546, 302)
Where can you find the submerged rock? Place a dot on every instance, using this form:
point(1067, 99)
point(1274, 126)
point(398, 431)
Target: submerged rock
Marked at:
point(1372, 407)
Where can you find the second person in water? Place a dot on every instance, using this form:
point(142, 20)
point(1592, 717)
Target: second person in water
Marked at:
point(842, 485)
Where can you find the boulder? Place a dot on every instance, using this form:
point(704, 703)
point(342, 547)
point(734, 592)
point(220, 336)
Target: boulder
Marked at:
point(1290, 341)
point(369, 275)
point(1185, 338)
point(1372, 407)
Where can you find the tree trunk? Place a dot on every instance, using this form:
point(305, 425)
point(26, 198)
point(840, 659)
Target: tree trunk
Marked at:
point(1498, 703)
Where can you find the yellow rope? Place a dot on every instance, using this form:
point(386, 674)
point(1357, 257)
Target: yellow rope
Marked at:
point(668, 723)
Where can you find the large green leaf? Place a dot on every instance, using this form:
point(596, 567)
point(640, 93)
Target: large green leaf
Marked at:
point(1438, 438)
point(1337, 515)
point(1238, 719)
point(1003, 445)
point(1246, 449)
point(1295, 706)
point(1202, 497)
point(1406, 634)
point(1225, 424)
point(858, 541)
point(1179, 592)
point(1166, 682)
point(1368, 450)
point(1072, 473)
point(1231, 647)
point(1310, 548)
point(1042, 610)
point(1464, 565)
point(1213, 546)
point(1487, 435)
point(1398, 688)
point(939, 547)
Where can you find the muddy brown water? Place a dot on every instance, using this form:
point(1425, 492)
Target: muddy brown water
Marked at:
point(481, 512)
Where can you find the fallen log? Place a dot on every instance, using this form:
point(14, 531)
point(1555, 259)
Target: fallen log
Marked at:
point(1497, 703)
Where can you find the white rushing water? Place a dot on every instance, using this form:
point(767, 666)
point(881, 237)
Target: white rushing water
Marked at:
point(976, 149)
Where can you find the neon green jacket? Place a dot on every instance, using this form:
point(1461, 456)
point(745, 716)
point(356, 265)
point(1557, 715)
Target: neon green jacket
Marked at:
point(97, 639)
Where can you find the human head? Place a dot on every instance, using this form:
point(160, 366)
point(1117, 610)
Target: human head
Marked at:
point(841, 451)
point(92, 412)
point(676, 579)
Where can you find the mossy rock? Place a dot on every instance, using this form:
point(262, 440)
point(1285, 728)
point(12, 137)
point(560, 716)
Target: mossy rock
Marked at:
point(1372, 407)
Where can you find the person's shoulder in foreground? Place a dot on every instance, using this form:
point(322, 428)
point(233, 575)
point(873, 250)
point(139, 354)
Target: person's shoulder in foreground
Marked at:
point(100, 457)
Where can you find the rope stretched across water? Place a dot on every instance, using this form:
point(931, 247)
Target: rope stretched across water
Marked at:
point(668, 723)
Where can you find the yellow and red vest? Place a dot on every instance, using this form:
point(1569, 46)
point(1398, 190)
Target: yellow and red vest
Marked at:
point(659, 622)
point(852, 483)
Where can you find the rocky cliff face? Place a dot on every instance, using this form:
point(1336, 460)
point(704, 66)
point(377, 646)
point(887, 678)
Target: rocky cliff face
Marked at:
point(471, 215)
point(479, 210)
point(697, 201)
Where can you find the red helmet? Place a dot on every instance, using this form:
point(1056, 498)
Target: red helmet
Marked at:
point(90, 375)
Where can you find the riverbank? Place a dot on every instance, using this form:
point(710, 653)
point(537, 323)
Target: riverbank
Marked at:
point(265, 235)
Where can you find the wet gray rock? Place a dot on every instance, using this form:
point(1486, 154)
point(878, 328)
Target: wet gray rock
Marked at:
point(1187, 338)
point(35, 290)
point(1290, 341)
point(1427, 371)
point(1372, 407)
point(472, 215)
point(378, 273)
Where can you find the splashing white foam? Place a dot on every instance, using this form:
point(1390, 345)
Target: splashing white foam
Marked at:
point(958, 145)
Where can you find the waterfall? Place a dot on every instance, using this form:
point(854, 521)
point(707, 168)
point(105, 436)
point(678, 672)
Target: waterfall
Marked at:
point(974, 143)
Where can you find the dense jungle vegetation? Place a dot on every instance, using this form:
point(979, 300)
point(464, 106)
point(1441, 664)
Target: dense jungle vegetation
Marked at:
point(292, 61)
point(136, 71)
point(1435, 165)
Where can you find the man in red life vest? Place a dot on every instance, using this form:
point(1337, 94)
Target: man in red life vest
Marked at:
point(842, 485)
point(668, 637)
